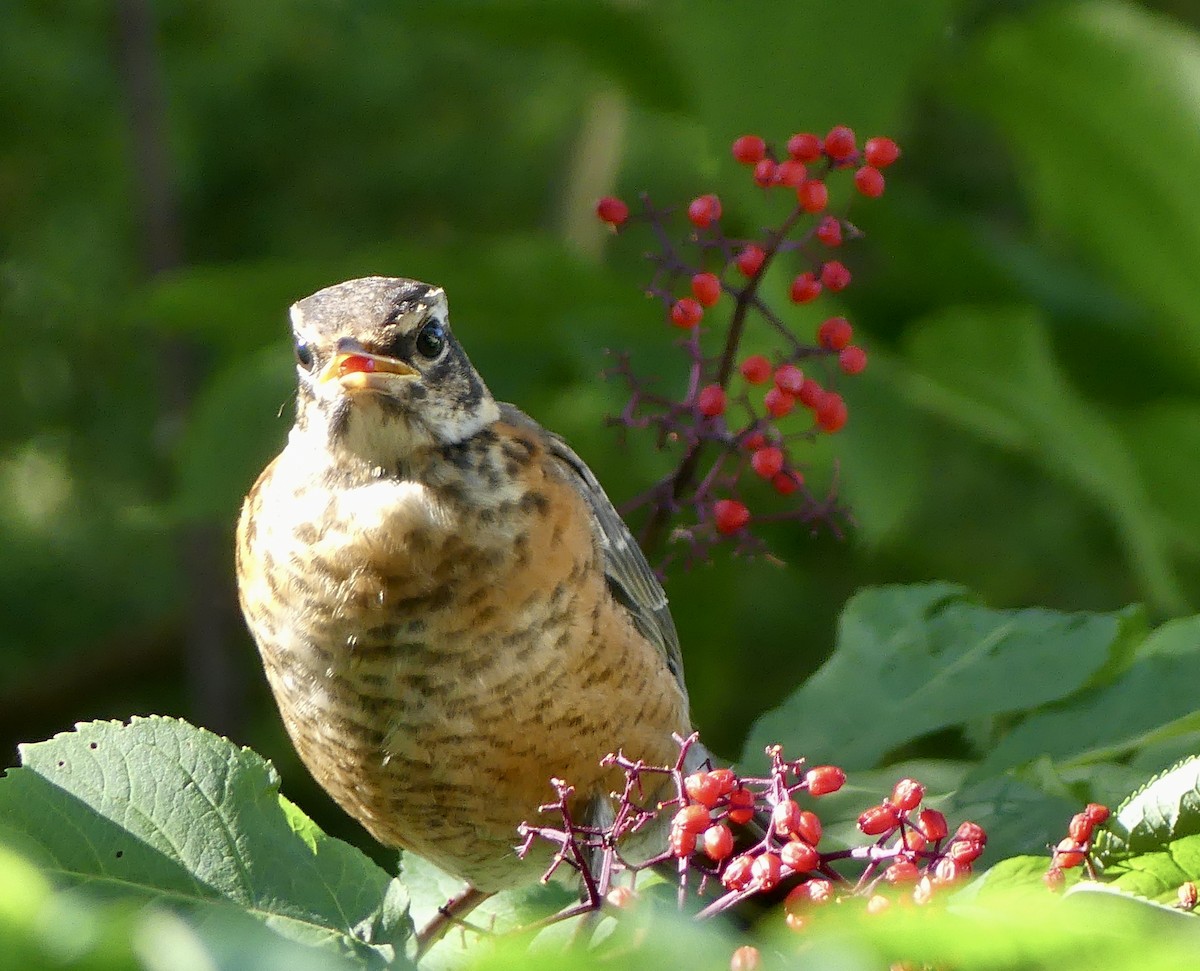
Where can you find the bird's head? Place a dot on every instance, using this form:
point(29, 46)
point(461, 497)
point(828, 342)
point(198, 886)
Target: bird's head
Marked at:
point(381, 378)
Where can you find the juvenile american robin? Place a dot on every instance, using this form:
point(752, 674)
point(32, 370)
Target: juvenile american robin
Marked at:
point(449, 609)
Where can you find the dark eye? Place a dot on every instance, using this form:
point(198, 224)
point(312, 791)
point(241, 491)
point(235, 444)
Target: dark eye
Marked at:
point(304, 354)
point(431, 339)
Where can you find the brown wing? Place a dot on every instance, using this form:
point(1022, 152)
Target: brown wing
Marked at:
point(630, 578)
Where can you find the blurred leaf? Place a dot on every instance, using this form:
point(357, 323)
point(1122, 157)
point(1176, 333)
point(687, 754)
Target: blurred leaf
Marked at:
point(162, 810)
point(1101, 101)
point(921, 658)
point(624, 42)
point(241, 415)
point(1157, 875)
point(1154, 698)
point(994, 372)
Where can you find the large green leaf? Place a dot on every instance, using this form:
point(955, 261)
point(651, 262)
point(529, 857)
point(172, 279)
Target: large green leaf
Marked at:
point(159, 809)
point(993, 372)
point(912, 660)
point(1101, 103)
point(1153, 698)
point(1164, 810)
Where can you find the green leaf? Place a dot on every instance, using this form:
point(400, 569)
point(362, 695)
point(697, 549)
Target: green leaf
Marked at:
point(912, 660)
point(159, 809)
point(1157, 875)
point(1165, 809)
point(994, 373)
point(625, 43)
point(1123, 191)
point(1155, 698)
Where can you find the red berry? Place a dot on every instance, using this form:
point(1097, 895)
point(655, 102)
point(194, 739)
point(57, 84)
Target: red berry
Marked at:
point(785, 817)
point(835, 276)
point(964, 851)
point(824, 779)
point(831, 412)
point(711, 400)
point(692, 819)
point(812, 394)
point(741, 801)
point(914, 841)
point(785, 483)
point(830, 231)
point(702, 788)
point(1068, 854)
point(933, 824)
point(703, 210)
point(947, 870)
point(907, 794)
point(750, 259)
point(749, 149)
point(686, 312)
point(791, 173)
point(902, 871)
point(852, 360)
point(881, 152)
point(799, 856)
point(765, 173)
point(355, 363)
point(767, 462)
point(789, 378)
point(818, 890)
point(729, 515)
point(972, 832)
point(778, 403)
point(765, 871)
point(737, 874)
point(706, 288)
point(754, 441)
point(879, 820)
point(756, 369)
point(718, 842)
point(805, 288)
point(725, 780)
point(804, 147)
point(839, 143)
point(683, 843)
point(1080, 829)
point(612, 210)
point(835, 333)
point(870, 182)
point(808, 827)
point(745, 958)
point(1096, 812)
point(813, 195)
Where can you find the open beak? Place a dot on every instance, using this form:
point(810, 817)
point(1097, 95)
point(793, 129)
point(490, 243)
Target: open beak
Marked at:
point(360, 371)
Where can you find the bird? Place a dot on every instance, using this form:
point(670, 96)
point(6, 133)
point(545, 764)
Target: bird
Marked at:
point(448, 607)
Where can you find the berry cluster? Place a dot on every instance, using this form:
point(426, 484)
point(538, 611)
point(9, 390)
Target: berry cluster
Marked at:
point(740, 416)
point(1074, 848)
point(745, 836)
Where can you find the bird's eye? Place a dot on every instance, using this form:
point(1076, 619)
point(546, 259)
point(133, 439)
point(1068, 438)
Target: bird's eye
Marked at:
point(304, 354)
point(431, 339)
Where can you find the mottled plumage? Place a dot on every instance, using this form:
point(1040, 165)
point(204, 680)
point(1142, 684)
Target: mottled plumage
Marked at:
point(448, 608)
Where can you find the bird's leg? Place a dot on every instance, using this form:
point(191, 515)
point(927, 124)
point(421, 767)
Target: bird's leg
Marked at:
point(451, 912)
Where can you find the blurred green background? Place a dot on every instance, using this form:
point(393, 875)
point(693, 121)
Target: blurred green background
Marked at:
point(173, 175)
